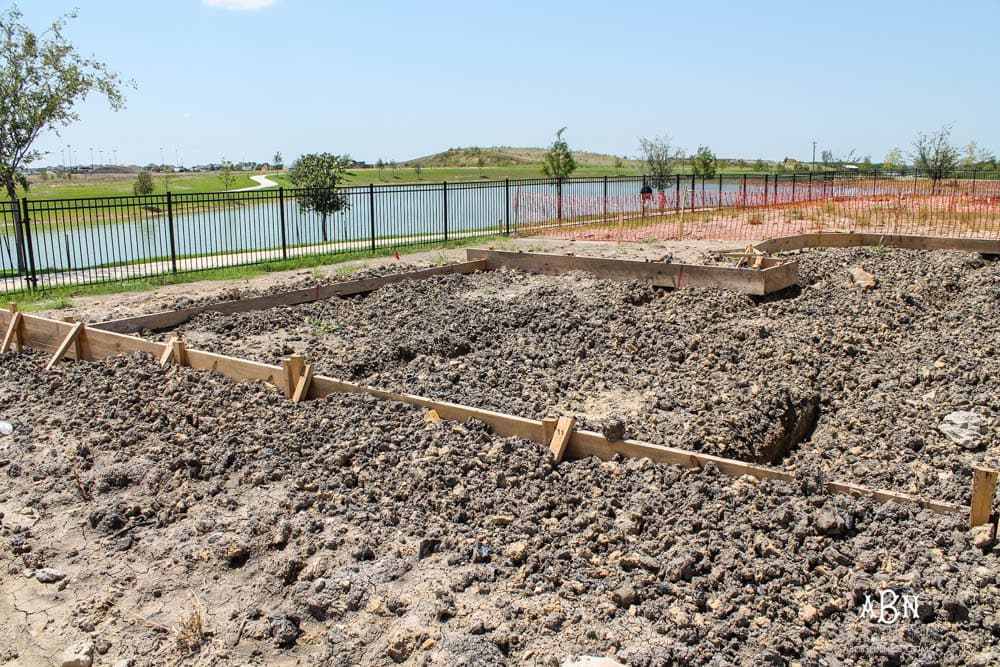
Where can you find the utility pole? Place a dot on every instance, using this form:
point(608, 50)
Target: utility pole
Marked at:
point(162, 163)
point(115, 151)
point(92, 158)
point(814, 157)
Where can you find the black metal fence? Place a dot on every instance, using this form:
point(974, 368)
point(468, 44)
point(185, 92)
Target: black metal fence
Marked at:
point(52, 242)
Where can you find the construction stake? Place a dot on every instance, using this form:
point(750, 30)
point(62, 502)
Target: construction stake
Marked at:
point(563, 432)
point(302, 388)
point(70, 339)
point(293, 367)
point(13, 332)
point(984, 484)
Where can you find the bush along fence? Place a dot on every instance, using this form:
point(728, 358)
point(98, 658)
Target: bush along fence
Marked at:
point(54, 242)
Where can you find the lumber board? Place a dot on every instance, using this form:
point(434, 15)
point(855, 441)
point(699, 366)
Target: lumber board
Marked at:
point(856, 239)
point(64, 346)
point(984, 484)
point(12, 331)
point(169, 319)
point(660, 274)
point(883, 496)
point(168, 351)
point(780, 276)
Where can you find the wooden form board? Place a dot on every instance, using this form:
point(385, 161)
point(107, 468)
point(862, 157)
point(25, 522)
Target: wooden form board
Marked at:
point(661, 274)
point(172, 318)
point(853, 240)
point(47, 335)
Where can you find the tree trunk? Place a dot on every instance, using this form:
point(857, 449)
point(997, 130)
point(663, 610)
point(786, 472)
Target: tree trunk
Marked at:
point(15, 209)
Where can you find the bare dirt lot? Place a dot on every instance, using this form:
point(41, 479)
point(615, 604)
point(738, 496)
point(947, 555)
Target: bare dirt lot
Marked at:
point(168, 516)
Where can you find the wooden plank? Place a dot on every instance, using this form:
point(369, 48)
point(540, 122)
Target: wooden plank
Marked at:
point(984, 484)
point(172, 318)
point(854, 239)
point(12, 332)
point(549, 426)
point(781, 276)
point(560, 439)
point(302, 388)
point(292, 368)
point(661, 274)
point(178, 351)
point(883, 496)
point(67, 342)
point(371, 284)
point(588, 443)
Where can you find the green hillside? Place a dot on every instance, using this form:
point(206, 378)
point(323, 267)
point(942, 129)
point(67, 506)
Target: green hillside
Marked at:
point(506, 156)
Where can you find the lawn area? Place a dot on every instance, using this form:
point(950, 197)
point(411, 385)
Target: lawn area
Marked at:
point(116, 185)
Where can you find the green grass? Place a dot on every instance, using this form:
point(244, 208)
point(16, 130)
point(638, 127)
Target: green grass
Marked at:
point(117, 185)
point(61, 297)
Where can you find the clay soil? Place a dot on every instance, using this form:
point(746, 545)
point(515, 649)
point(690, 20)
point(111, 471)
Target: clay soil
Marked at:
point(169, 516)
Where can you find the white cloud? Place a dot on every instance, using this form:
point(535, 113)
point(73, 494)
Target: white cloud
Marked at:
point(239, 4)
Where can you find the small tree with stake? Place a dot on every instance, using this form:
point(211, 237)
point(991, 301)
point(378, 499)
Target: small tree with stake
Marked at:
point(934, 155)
point(704, 162)
point(319, 174)
point(658, 155)
point(558, 164)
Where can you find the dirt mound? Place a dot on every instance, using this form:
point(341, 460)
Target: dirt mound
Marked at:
point(171, 516)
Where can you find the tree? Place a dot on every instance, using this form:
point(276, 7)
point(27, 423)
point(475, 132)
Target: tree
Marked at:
point(279, 161)
point(827, 157)
point(866, 163)
point(893, 160)
point(618, 166)
point(479, 164)
point(319, 174)
point(227, 174)
point(934, 155)
point(704, 162)
point(380, 165)
point(759, 165)
point(42, 77)
point(558, 161)
point(417, 169)
point(143, 184)
point(658, 156)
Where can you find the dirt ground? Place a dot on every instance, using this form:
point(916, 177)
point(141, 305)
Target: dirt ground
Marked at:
point(168, 516)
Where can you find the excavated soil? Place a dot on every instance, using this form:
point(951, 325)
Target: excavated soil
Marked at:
point(169, 516)
point(829, 379)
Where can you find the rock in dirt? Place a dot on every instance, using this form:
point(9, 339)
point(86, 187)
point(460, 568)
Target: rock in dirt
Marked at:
point(590, 661)
point(401, 646)
point(983, 536)
point(79, 654)
point(964, 428)
point(861, 278)
point(48, 575)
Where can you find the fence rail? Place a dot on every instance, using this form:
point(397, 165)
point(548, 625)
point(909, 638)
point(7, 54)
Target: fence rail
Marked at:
point(54, 242)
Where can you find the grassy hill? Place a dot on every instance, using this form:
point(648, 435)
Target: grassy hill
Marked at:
point(506, 156)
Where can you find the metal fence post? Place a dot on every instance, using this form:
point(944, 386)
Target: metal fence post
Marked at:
point(605, 198)
point(793, 188)
point(677, 194)
point(284, 228)
point(559, 199)
point(371, 211)
point(170, 226)
point(974, 173)
point(444, 189)
point(694, 187)
point(506, 200)
point(766, 180)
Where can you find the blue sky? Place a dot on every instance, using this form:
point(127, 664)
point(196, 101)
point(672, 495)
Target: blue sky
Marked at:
point(397, 80)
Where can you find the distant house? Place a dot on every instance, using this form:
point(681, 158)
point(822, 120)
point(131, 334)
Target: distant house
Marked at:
point(263, 166)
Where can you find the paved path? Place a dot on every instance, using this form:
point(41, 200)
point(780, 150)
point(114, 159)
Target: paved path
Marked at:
point(262, 182)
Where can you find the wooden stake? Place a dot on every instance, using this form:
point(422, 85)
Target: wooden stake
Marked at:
point(549, 428)
point(168, 351)
point(293, 367)
point(64, 345)
point(77, 353)
point(984, 484)
point(18, 341)
point(302, 388)
point(564, 430)
point(13, 332)
point(179, 353)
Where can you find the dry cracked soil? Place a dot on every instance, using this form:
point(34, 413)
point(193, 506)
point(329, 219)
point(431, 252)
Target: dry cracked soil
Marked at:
point(156, 515)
